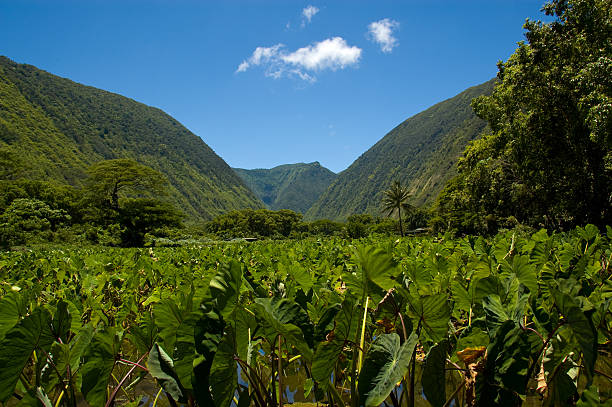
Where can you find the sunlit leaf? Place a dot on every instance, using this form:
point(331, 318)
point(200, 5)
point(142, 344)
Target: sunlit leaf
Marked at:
point(385, 365)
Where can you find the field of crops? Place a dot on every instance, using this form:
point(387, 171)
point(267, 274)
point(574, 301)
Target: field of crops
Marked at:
point(435, 321)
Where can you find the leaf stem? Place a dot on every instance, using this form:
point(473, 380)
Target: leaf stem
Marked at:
point(280, 373)
point(157, 396)
point(362, 338)
point(57, 403)
point(452, 397)
point(120, 384)
point(129, 362)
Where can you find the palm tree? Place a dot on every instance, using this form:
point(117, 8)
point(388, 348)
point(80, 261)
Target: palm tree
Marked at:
point(396, 198)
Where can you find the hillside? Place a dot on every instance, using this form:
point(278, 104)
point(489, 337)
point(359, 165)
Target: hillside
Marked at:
point(61, 127)
point(290, 186)
point(421, 153)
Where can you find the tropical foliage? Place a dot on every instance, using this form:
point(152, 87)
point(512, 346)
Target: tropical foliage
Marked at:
point(470, 321)
point(395, 200)
point(546, 157)
point(119, 206)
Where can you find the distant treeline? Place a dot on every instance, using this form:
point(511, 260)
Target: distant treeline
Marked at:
point(288, 224)
point(124, 203)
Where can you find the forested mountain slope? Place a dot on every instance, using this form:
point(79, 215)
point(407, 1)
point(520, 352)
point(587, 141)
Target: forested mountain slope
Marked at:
point(421, 153)
point(289, 186)
point(60, 127)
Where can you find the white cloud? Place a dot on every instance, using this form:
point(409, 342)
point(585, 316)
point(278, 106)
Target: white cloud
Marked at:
point(308, 13)
point(332, 53)
point(381, 32)
point(261, 55)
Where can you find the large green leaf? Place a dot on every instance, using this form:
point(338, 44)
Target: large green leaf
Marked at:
point(30, 334)
point(432, 313)
point(225, 287)
point(324, 360)
point(504, 379)
point(161, 367)
point(434, 378)
point(144, 334)
point(461, 296)
point(301, 276)
point(208, 333)
point(79, 344)
point(376, 270)
point(325, 324)
point(346, 328)
point(60, 356)
point(13, 306)
point(185, 349)
point(487, 286)
point(581, 326)
point(495, 312)
point(99, 361)
point(61, 322)
point(223, 372)
point(287, 318)
point(525, 271)
point(385, 365)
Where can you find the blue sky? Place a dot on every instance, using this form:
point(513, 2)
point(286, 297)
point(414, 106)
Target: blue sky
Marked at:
point(266, 83)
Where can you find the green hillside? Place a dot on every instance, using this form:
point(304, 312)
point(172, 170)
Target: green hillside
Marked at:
point(421, 153)
point(290, 186)
point(60, 127)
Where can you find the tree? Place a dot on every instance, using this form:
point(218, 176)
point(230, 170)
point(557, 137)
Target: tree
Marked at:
point(395, 199)
point(111, 178)
point(546, 159)
point(26, 217)
point(123, 197)
point(141, 216)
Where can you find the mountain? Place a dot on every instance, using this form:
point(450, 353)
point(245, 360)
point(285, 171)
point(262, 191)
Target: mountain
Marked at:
point(60, 127)
point(290, 186)
point(421, 152)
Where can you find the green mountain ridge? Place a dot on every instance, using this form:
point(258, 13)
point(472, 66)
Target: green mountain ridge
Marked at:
point(421, 152)
point(60, 127)
point(288, 186)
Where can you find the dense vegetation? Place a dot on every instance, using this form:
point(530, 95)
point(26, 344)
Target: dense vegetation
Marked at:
point(283, 224)
point(292, 186)
point(121, 203)
point(60, 128)
point(421, 153)
point(547, 156)
point(470, 321)
point(337, 314)
point(124, 203)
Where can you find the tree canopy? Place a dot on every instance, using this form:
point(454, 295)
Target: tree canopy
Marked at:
point(546, 157)
point(126, 195)
point(108, 179)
